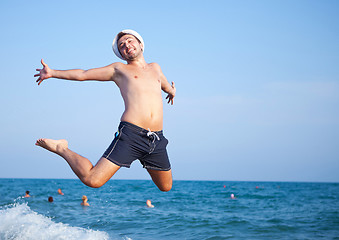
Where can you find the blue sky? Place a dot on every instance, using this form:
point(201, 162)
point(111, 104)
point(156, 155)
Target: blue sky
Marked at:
point(257, 86)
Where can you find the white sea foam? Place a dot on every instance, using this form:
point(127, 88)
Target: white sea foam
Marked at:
point(19, 222)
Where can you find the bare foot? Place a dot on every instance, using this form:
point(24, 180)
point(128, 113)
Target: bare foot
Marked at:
point(56, 146)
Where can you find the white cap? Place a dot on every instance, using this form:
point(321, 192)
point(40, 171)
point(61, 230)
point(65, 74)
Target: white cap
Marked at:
point(127, 31)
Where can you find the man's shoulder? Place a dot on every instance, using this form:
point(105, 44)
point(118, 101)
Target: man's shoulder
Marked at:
point(117, 64)
point(155, 66)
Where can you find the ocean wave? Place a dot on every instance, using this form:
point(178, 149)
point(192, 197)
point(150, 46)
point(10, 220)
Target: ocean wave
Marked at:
point(19, 222)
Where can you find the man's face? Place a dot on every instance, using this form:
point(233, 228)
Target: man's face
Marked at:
point(129, 47)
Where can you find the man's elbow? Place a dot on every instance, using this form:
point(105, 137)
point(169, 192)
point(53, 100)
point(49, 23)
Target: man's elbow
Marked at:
point(82, 76)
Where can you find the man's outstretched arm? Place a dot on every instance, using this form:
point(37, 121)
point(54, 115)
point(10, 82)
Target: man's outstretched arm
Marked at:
point(97, 74)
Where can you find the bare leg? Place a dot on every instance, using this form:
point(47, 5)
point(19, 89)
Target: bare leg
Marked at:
point(163, 179)
point(92, 176)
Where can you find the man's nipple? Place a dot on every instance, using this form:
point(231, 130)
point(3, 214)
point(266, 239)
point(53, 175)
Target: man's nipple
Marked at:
point(135, 76)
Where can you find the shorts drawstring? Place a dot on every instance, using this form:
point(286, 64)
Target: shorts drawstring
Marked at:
point(150, 133)
point(154, 136)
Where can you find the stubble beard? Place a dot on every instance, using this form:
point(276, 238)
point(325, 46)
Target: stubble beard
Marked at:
point(132, 56)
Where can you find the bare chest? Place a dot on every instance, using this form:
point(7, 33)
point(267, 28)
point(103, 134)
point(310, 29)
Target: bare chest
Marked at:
point(142, 79)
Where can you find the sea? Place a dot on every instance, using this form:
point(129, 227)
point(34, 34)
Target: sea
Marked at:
point(191, 210)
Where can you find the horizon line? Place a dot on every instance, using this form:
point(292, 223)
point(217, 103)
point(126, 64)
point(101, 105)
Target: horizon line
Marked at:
point(200, 180)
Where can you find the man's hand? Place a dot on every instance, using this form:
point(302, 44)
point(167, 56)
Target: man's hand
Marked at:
point(171, 94)
point(44, 73)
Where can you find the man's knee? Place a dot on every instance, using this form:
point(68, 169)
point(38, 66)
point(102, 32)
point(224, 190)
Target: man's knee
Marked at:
point(92, 182)
point(165, 187)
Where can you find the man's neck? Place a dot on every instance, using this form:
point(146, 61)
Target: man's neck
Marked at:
point(139, 62)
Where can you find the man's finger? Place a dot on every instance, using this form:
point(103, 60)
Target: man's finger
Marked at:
point(37, 75)
point(38, 69)
point(170, 100)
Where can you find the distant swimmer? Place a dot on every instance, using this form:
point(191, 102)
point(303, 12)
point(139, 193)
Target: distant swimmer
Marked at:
point(140, 135)
point(232, 196)
point(84, 201)
point(50, 199)
point(27, 194)
point(60, 192)
point(149, 204)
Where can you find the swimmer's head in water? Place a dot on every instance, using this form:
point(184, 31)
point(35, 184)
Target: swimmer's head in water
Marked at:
point(121, 34)
point(84, 197)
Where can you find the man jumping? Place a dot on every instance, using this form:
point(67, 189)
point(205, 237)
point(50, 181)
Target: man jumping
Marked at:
point(139, 134)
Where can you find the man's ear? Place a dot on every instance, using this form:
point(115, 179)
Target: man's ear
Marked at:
point(142, 47)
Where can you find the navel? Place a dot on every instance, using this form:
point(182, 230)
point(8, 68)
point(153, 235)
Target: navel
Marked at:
point(135, 76)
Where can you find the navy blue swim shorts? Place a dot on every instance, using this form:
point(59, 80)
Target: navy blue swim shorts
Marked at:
point(132, 142)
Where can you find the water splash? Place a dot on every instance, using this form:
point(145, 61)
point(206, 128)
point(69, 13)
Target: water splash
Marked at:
point(19, 222)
